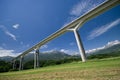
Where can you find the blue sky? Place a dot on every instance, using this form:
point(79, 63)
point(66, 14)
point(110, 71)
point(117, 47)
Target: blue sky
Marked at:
point(23, 23)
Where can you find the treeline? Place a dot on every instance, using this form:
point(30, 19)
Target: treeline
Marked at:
point(7, 66)
point(104, 55)
point(44, 63)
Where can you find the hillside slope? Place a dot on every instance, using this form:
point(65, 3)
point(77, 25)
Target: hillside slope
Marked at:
point(104, 69)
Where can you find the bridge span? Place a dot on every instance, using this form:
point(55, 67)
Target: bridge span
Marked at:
point(73, 26)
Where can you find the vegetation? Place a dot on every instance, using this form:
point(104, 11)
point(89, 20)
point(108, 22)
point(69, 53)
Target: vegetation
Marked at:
point(7, 66)
point(104, 55)
point(104, 69)
point(44, 63)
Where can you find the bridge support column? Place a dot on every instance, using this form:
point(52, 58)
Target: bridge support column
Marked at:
point(14, 65)
point(21, 63)
point(36, 58)
point(80, 45)
point(79, 41)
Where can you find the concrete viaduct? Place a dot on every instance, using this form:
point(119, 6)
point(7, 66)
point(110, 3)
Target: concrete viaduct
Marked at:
point(73, 27)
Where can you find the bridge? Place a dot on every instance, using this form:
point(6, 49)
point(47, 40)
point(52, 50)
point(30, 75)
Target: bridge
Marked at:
point(73, 26)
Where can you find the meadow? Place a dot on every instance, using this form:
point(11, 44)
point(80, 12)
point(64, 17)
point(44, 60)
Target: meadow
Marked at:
point(97, 69)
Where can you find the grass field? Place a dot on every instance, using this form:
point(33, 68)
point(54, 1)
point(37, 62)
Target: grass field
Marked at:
point(104, 69)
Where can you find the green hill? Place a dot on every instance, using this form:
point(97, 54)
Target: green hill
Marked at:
point(103, 69)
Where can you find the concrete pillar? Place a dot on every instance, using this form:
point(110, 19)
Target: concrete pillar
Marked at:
point(80, 45)
point(34, 60)
point(37, 58)
point(21, 65)
point(14, 64)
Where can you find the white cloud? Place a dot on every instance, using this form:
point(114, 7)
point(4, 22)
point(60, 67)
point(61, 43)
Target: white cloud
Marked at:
point(52, 50)
point(27, 45)
point(99, 31)
point(79, 8)
point(21, 43)
point(84, 6)
point(94, 50)
point(70, 52)
point(67, 51)
point(73, 52)
point(11, 35)
point(16, 26)
point(5, 52)
point(64, 50)
point(109, 44)
point(44, 46)
point(8, 33)
point(72, 43)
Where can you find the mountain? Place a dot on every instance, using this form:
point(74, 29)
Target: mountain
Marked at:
point(6, 58)
point(52, 55)
point(113, 46)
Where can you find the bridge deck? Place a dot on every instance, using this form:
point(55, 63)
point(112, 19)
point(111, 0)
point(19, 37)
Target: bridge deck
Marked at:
point(108, 4)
